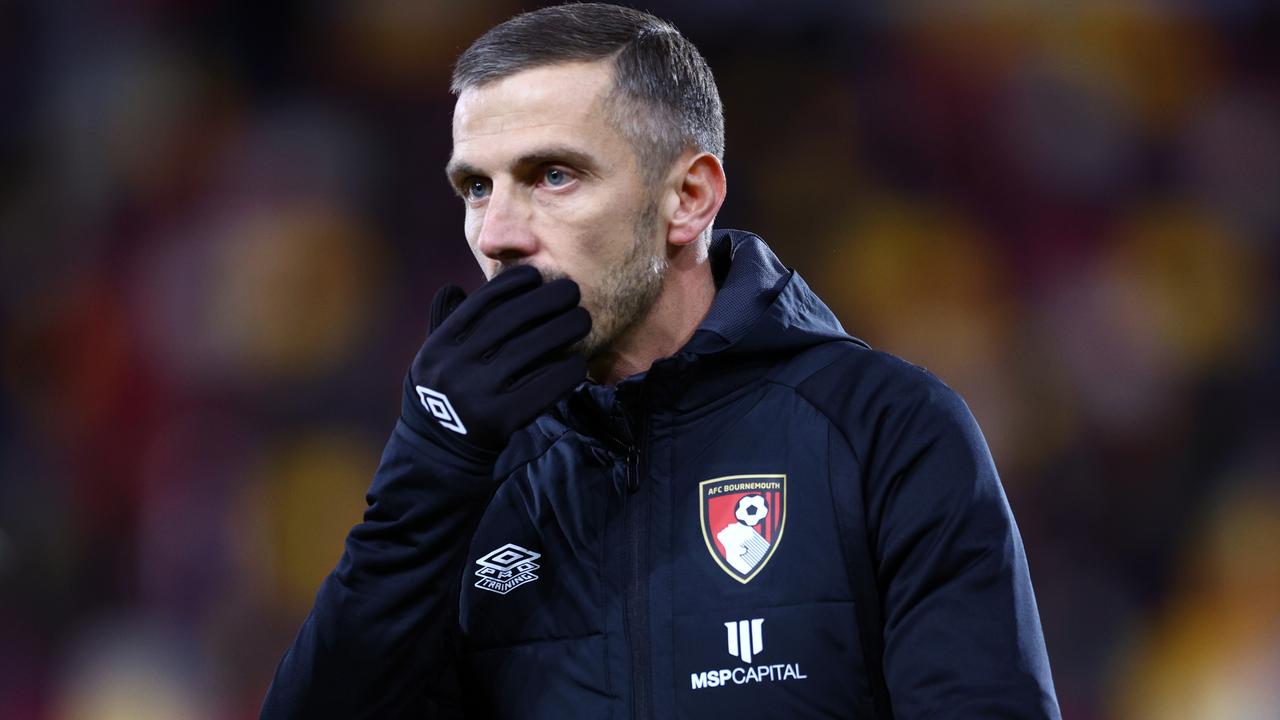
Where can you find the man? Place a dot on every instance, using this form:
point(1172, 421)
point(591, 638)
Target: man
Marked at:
point(643, 472)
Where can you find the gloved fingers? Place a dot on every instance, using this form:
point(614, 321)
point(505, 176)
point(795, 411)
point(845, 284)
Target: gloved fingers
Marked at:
point(505, 285)
point(523, 313)
point(548, 383)
point(445, 302)
point(539, 344)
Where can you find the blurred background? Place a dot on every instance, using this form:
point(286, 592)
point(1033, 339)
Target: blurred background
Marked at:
point(221, 225)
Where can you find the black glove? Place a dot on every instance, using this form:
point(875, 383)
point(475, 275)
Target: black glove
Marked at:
point(494, 361)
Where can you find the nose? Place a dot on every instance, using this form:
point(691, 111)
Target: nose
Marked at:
point(506, 231)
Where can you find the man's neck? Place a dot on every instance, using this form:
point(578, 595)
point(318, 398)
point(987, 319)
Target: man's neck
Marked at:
point(687, 293)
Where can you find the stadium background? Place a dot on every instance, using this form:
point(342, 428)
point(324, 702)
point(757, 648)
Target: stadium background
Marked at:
point(222, 225)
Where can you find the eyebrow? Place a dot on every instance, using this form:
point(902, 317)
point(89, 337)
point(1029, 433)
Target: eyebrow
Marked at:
point(458, 170)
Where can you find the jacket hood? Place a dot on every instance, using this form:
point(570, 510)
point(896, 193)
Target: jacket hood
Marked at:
point(761, 306)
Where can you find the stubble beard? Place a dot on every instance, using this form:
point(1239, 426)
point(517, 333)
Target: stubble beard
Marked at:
point(624, 298)
point(619, 300)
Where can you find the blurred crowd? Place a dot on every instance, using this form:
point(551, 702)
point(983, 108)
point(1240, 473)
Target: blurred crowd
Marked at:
point(221, 225)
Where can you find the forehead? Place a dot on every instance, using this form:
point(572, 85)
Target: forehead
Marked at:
point(562, 102)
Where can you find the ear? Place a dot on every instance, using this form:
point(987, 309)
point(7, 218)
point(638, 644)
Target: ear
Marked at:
point(696, 189)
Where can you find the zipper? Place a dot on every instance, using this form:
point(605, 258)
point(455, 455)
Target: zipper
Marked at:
point(636, 522)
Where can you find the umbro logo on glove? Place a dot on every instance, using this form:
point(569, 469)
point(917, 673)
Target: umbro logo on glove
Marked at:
point(437, 403)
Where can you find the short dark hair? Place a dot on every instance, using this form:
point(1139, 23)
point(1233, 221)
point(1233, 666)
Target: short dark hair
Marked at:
point(664, 99)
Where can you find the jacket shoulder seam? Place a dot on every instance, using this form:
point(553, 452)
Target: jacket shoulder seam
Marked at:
point(826, 415)
point(795, 383)
point(794, 386)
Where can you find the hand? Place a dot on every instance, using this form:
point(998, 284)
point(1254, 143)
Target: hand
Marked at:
point(493, 361)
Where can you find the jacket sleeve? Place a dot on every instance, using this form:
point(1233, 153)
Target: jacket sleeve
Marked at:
point(378, 642)
point(961, 631)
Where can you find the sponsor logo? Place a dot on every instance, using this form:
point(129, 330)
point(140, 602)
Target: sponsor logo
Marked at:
point(506, 568)
point(745, 675)
point(745, 639)
point(742, 518)
point(437, 403)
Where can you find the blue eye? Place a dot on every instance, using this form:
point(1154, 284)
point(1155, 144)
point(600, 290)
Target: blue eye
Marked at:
point(475, 188)
point(555, 177)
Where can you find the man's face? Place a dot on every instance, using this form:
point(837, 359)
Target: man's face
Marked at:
point(549, 181)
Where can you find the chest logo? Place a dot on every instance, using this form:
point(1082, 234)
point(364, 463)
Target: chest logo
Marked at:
point(743, 517)
point(746, 639)
point(506, 568)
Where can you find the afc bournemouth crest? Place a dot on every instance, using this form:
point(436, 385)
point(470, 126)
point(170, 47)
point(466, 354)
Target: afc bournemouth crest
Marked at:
point(742, 521)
